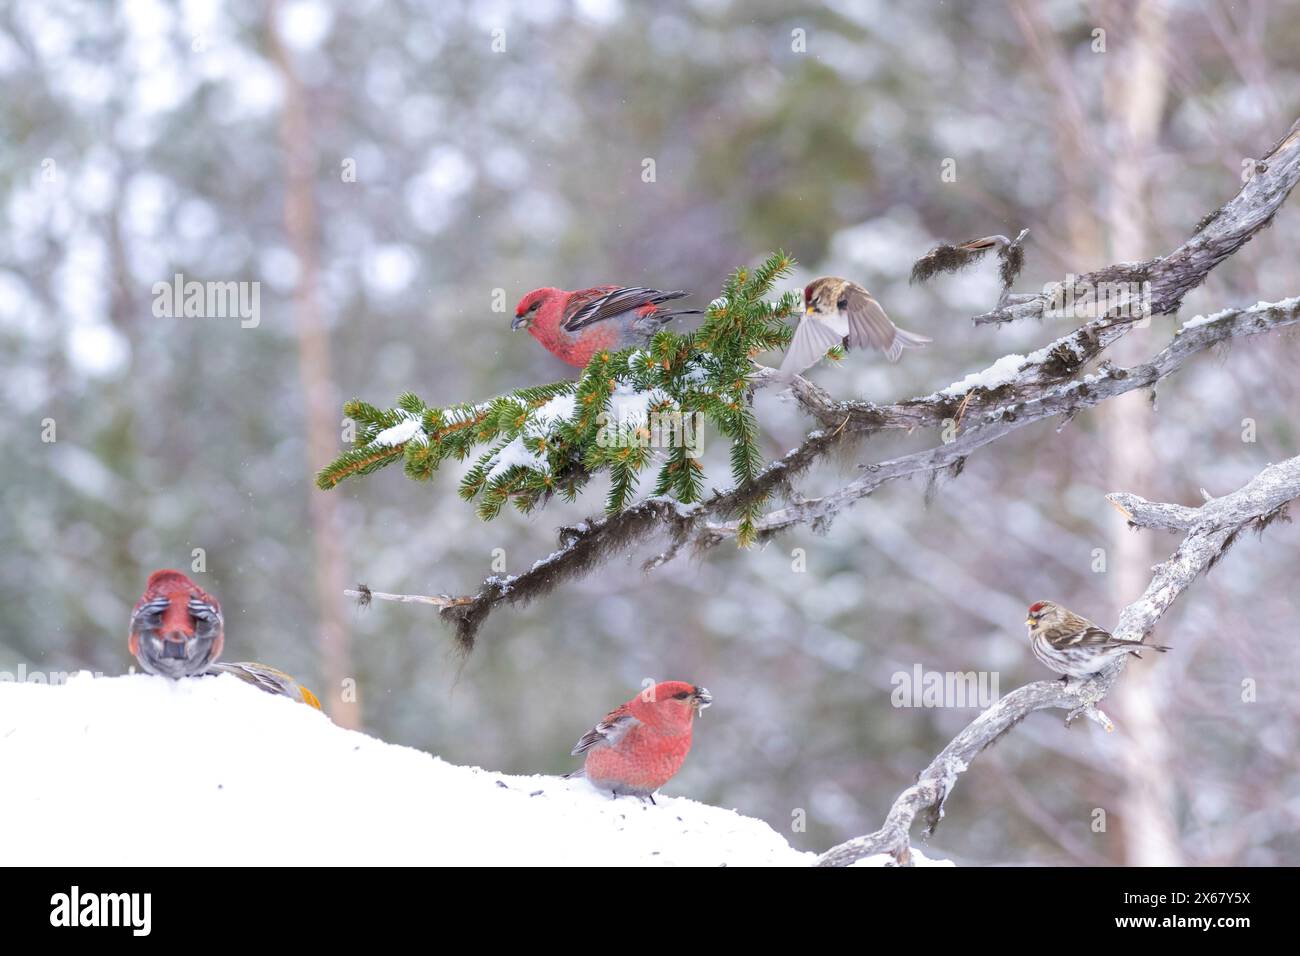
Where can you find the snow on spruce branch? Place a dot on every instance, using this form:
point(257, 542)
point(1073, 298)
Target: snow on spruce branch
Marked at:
point(1210, 530)
point(550, 439)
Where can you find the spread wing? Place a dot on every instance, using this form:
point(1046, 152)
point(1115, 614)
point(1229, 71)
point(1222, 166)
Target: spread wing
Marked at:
point(615, 302)
point(812, 339)
point(608, 732)
point(869, 327)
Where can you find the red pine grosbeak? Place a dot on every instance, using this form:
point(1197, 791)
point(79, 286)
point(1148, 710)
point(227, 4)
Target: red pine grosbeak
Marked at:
point(574, 326)
point(638, 746)
point(177, 631)
point(176, 627)
point(1073, 646)
point(840, 312)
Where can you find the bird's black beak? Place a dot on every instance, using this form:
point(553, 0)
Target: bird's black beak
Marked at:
point(519, 322)
point(702, 698)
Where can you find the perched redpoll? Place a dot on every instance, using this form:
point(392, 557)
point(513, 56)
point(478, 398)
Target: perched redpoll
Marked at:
point(1073, 646)
point(639, 745)
point(176, 627)
point(840, 312)
point(574, 326)
point(267, 678)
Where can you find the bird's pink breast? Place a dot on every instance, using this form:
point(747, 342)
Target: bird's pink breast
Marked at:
point(643, 759)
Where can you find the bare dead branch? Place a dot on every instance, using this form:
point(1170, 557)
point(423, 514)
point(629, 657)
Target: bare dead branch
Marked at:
point(1217, 236)
point(1211, 530)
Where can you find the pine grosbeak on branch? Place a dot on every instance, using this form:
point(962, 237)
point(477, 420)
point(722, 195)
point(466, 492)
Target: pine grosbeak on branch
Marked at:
point(639, 745)
point(574, 326)
point(177, 631)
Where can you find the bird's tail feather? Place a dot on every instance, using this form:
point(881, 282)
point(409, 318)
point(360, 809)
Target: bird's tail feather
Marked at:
point(904, 339)
point(580, 772)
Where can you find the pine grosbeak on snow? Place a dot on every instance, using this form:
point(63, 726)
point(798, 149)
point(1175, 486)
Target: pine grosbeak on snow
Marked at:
point(639, 745)
point(177, 631)
point(176, 627)
point(574, 326)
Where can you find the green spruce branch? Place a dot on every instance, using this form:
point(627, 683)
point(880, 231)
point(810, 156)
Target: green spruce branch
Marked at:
point(626, 411)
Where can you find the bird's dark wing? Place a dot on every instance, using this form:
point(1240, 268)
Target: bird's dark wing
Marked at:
point(869, 327)
point(615, 303)
point(1092, 636)
point(608, 732)
point(581, 299)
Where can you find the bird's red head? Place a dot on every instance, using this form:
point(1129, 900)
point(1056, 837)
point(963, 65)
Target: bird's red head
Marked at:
point(531, 304)
point(1038, 612)
point(670, 703)
point(176, 627)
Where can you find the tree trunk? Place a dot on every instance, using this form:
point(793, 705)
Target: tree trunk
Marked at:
point(316, 379)
point(1135, 95)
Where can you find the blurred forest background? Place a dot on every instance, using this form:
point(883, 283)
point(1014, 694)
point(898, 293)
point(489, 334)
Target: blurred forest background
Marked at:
point(147, 138)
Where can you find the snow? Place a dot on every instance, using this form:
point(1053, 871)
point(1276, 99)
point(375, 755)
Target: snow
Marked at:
point(1207, 319)
point(1283, 305)
point(402, 432)
point(515, 453)
point(999, 373)
point(917, 857)
point(143, 771)
point(629, 408)
point(558, 409)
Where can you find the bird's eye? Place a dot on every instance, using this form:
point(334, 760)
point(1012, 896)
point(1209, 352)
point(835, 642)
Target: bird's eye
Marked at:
point(532, 308)
point(682, 696)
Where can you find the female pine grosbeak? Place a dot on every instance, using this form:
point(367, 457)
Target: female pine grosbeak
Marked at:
point(268, 678)
point(574, 326)
point(638, 746)
point(840, 312)
point(1073, 646)
point(177, 631)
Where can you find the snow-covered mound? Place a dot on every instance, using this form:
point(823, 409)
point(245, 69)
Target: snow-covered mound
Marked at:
point(143, 770)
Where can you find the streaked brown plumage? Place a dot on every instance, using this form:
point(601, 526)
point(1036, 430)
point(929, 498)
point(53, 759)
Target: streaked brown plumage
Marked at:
point(840, 312)
point(1073, 646)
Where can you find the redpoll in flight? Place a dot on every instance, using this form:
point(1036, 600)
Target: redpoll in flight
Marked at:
point(840, 312)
